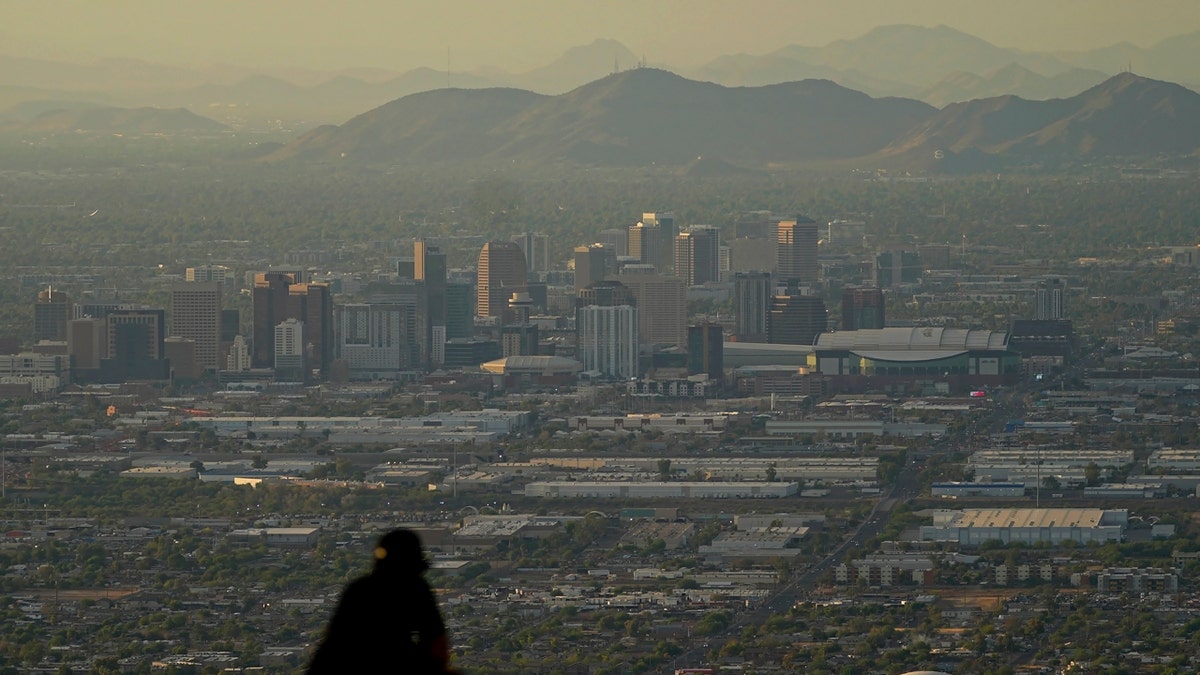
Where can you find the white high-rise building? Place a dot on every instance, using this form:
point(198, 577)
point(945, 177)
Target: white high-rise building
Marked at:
point(289, 345)
point(608, 340)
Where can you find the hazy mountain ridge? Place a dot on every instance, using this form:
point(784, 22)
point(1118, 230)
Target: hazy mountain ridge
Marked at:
point(1124, 116)
point(91, 119)
point(1013, 79)
point(641, 116)
point(935, 65)
point(648, 116)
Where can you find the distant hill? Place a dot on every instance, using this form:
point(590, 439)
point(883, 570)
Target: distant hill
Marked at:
point(636, 117)
point(1124, 116)
point(1013, 79)
point(118, 120)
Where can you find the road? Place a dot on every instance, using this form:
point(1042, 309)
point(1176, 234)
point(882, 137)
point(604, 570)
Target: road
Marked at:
point(905, 487)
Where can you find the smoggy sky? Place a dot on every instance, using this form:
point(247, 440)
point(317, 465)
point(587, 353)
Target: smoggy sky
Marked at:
point(521, 34)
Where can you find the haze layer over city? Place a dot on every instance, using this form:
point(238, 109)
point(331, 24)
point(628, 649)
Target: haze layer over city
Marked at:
point(689, 337)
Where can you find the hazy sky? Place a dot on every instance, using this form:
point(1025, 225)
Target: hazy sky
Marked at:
point(522, 34)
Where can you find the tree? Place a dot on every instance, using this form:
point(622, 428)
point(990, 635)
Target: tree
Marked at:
point(772, 473)
point(259, 462)
point(664, 469)
point(1051, 483)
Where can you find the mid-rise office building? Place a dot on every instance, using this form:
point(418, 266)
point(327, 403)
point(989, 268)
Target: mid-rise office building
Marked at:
point(893, 268)
point(796, 319)
point(205, 273)
point(196, 316)
point(135, 345)
point(862, 308)
point(86, 342)
point(50, 315)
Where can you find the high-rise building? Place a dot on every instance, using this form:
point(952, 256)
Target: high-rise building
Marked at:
point(181, 353)
point(135, 345)
point(312, 305)
point(430, 269)
point(239, 355)
point(862, 309)
point(1050, 299)
point(85, 342)
point(460, 311)
point(270, 299)
point(378, 339)
point(519, 337)
point(662, 305)
point(136, 334)
point(592, 264)
point(50, 315)
point(196, 316)
point(663, 219)
point(796, 319)
point(697, 255)
point(652, 239)
point(500, 273)
point(616, 239)
point(606, 328)
point(290, 348)
point(796, 251)
point(751, 299)
point(706, 350)
point(536, 247)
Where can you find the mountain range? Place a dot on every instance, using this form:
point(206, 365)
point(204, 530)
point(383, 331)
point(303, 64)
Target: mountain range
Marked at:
point(938, 65)
point(648, 116)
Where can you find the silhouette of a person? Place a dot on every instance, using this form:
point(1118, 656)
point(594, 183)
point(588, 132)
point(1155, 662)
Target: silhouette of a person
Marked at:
point(387, 621)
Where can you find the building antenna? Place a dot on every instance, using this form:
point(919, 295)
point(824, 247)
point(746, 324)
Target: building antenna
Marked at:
point(447, 67)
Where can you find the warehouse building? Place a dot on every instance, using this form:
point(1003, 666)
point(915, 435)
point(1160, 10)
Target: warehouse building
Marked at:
point(661, 490)
point(974, 527)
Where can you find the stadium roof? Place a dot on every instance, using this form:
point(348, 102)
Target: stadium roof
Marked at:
point(927, 338)
point(527, 364)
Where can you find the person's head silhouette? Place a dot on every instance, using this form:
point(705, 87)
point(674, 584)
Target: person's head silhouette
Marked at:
point(399, 551)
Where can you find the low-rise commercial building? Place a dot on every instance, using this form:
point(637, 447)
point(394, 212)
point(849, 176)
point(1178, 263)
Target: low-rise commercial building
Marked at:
point(661, 490)
point(974, 527)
